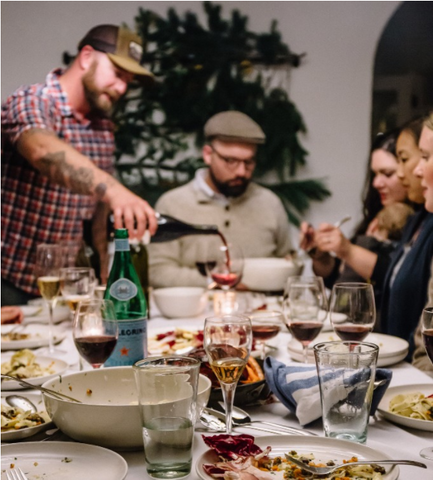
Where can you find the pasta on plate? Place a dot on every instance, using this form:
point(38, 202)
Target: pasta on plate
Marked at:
point(413, 405)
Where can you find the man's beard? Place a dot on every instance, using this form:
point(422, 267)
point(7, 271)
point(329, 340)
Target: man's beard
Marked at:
point(98, 105)
point(230, 190)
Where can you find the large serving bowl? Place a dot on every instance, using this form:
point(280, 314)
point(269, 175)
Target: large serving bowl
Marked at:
point(180, 302)
point(269, 274)
point(109, 415)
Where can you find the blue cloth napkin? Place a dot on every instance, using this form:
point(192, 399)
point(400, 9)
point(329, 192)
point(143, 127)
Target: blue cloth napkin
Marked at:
point(297, 387)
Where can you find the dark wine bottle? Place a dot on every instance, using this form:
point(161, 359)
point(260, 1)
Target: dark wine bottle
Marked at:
point(125, 291)
point(140, 260)
point(170, 228)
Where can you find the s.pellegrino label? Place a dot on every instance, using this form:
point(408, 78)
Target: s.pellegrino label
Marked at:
point(125, 291)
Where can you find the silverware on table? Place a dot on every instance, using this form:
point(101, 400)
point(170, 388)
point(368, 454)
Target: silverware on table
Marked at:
point(328, 470)
point(16, 474)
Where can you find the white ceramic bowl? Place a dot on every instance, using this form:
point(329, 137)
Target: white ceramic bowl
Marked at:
point(269, 274)
point(109, 415)
point(180, 302)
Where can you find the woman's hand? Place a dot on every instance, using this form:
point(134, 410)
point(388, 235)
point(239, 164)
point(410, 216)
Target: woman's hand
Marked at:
point(330, 239)
point(306, 237)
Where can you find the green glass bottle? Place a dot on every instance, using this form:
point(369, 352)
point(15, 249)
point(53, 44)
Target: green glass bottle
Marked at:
point(125, 291)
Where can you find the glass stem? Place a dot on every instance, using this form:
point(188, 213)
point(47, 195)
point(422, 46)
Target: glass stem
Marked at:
point(228, 390)
point(50, 326)
point(305, 352)
point(263, 350)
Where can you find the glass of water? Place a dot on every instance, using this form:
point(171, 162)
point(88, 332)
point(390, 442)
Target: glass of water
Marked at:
point(167, 394)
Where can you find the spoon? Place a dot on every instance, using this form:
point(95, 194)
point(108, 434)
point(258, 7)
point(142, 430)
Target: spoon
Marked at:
point(328, 470)
point(338, 224)
point(18, 401)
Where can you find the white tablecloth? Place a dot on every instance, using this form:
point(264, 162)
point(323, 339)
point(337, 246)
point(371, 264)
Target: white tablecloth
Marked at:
point(397, 442)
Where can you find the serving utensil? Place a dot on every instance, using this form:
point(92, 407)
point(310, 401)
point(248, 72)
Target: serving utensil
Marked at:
point(328, 470)
point(25, 384)
point(18, 401)
point(16, 474)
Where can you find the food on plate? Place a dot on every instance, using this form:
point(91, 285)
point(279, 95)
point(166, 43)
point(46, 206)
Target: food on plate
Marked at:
point(23, 365)
point(240, 458)
point(14, 336)
point(413, 405)
point(175, 340)
point(14, 418)
point(252, 371)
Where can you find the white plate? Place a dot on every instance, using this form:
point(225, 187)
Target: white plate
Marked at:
point(14, 435)
point(153, 345)
point(38, 336)
point(30, 310)
point(391, 349)
point(324, 449)
point(426, 389)
point(59, 366)
point(61, 312)
point(82, 461)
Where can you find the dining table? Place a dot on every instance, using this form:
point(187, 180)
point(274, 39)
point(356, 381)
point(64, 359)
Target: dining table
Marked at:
point(396, 441)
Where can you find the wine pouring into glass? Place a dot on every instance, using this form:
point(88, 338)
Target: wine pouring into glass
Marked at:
point(305, 308)
point(352, 310)
point(47, 270)
point(227, 342)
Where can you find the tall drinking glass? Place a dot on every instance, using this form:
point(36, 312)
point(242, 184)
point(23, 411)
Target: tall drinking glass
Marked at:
point(427, 333)
point(95, 330)
point(352, 310)
point(227, 341)
point(305, 308)
point(76, 284)
point(47, 270)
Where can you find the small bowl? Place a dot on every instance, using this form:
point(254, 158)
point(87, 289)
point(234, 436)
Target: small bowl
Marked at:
point(109, 415)
point(269, 274)
point(180, 302)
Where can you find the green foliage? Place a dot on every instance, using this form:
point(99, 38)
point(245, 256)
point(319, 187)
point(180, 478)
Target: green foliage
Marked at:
point(201, 71)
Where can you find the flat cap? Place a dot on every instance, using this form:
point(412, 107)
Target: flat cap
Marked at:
point(234, 126)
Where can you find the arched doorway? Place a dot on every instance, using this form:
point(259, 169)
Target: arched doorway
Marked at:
point(403, 67)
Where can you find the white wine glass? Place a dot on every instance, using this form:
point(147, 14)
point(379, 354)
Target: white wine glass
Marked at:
point(95, 330)
point(47, 271)
point(305, 309)
point(266, 324)
point(227, 342)
point(427, 333)
point(76, 284)
point(74, 253)
point(352, 310)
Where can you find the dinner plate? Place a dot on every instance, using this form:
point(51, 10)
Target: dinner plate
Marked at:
point(38, 336)
point(61, 312)
point(425, 388)
point(59, 366)
point(391, 349)
point(64, 461)
point(14, 435)
point(323, 448)
point(155, 347)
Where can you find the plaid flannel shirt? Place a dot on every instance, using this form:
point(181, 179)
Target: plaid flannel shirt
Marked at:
point(33, 209)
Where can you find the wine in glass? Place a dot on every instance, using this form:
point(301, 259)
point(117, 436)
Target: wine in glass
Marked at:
point(227, 342)
point(427, 333)
point(305, 307)
point(352, 310)
point(47, 269)
point(76, 284)
point(95, 330)
point(266, 324)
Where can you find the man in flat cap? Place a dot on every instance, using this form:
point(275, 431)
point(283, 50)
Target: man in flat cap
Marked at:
point(57, 161)
point(222, 194)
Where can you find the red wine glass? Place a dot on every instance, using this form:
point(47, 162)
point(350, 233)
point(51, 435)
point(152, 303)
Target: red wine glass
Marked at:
point(352, 310)
point(266, 324)
point(427, 333)
point(305, 307)
point(95, 330)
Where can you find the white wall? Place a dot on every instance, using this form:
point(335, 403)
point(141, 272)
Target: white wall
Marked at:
point(332, 90)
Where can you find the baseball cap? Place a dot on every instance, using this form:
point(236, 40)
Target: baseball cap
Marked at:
point(123, 47)
point(234, 126)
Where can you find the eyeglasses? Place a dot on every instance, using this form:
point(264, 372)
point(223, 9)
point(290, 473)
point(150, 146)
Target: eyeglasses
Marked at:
point(233, 163)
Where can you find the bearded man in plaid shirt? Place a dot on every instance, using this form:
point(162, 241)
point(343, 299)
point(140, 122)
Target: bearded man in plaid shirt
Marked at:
point(57, 158)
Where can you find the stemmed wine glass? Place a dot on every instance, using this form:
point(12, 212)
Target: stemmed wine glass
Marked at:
point(266, 324)
point(47, 269)
point(305, 308)
point(74, 253)
point(352, 310)
point(427, 333)
point(227, 342)
point(76, 284)
point(95, 330)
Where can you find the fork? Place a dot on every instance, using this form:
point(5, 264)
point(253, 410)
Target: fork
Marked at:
point(328, 470)
point(16, 474)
